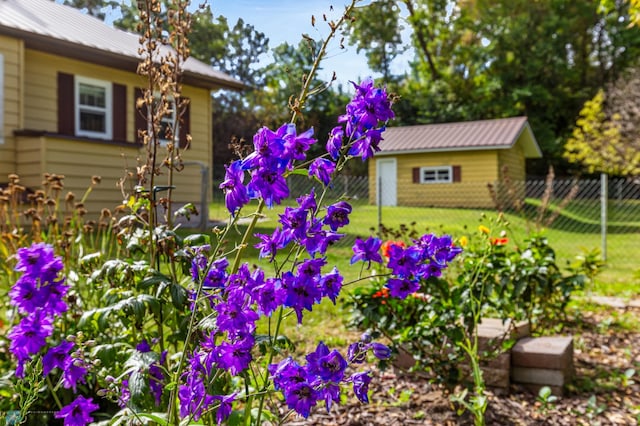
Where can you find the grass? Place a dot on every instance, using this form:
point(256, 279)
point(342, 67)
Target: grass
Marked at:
point(568, 241)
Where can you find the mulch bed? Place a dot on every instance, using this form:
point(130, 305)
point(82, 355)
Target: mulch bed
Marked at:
point(598, 394)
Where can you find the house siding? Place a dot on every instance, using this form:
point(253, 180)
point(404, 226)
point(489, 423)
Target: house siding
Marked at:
point(477, 169)
point(12, 51)
point(79, 159)
point(512, 162)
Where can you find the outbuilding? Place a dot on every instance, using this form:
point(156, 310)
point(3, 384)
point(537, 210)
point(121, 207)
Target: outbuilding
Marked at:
point(450, 164)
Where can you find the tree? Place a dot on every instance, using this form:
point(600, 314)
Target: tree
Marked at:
point(607, 133)
point(93, 7)
point(479, 59)
point(376, 30)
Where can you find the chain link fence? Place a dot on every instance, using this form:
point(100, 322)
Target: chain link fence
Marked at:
point(577, 216)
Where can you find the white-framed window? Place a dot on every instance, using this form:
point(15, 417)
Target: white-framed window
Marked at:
point(93, 106)
point(1, 98)
point(440, 174)
point(167, 121)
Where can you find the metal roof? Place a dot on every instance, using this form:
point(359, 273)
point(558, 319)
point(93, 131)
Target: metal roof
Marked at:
point(63, 30)
point(500, 133)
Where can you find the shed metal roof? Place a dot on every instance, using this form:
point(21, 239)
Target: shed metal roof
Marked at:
point(500, 133)
point(55, 28)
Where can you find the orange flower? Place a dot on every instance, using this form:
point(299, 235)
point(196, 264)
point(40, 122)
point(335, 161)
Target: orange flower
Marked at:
point(499, 241)
point(387, 245)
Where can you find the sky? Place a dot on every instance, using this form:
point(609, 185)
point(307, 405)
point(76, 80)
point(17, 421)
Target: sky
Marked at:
point(286, 21)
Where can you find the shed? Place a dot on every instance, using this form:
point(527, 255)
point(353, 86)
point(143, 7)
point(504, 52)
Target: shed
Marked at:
point(450, 164)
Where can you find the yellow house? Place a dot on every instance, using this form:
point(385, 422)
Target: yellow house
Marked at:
point(68, 88)
point(449, 164)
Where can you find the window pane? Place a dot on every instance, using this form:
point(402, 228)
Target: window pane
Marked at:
point(443, 174)
point(91, 95)
point(93, 121)
point(429, 175)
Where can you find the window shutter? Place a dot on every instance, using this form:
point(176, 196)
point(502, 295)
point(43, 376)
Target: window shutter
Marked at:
point(66, 104)
point(119, 115)
point(185, 124)
point(416, 174)
point(140, 115)
point(457, 174)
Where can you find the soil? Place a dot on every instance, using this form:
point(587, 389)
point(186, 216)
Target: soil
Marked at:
point(606, 344)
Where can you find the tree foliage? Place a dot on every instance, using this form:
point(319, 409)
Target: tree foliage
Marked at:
point(480, 59)
point(607, 133)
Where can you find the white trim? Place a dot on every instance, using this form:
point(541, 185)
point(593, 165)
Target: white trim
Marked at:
point(437, 170)
point(108, 107)
point(1, 99)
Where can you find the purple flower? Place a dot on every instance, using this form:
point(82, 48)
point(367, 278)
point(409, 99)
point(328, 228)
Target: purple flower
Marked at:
point(268, 183)
point(402, 287)
point(301, 397)
point(368, 144)
point(269, 296)
point(322, 169)
point(193, 397)
point(233, 317)
point(331, 284)
point(268, 150)
point(367, 251)
point(301, 293)
point(56, 357)
point(270, 244)
point(217, 275)
point(225, 407)
point(403, 262)
point(233, 186)
point(330, 393)
point(308, 201)
point(361, 385)
point(74, 372)
point(295, 146)
point(39, 261)
point(328, 365)
point(27, 295)
point(381, 351)
point(236, 356)
point(357, 353)
point(77, 413)
point(337, 215)
point(334, 144)
point(30, 335)
point(294, 223)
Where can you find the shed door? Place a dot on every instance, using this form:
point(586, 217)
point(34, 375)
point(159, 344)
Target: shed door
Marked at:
point(387, 184)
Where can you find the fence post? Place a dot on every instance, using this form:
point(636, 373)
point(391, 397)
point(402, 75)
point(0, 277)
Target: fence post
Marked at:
point(379, 206)
point(604, 189)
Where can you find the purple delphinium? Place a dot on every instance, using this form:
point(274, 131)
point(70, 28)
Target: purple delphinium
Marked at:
point(56, 357)
point(193, 396)
point(269, 296)
point(78, 412)
point(367, 251)
point(30, 335)
point(268, 184)
point(334, 144)
point(361, 382)
point(224, 409)
point(233, 186)
point(322, 169)
point(402, 287)
point(337, 215)
point(295, 146)
point(235, 357)
point(331, 284)
point(328, 365)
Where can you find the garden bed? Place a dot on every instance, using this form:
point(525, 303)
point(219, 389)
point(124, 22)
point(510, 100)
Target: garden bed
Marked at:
point(606, 345)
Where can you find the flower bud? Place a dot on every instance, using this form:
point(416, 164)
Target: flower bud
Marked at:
point(366, 337)
point(381, 351)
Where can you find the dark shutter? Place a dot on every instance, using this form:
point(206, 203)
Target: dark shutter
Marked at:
point(457, 174)
point(66, 102)
point(119, 116)
point(416, 174)
point(185, 124)
point(140, 115)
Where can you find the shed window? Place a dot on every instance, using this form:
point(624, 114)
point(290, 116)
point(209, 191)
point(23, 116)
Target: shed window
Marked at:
point(93, 108)
point(167, 121)
point(443, 174)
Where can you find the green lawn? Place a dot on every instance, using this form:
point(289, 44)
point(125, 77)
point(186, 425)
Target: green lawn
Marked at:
point(568, 241)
